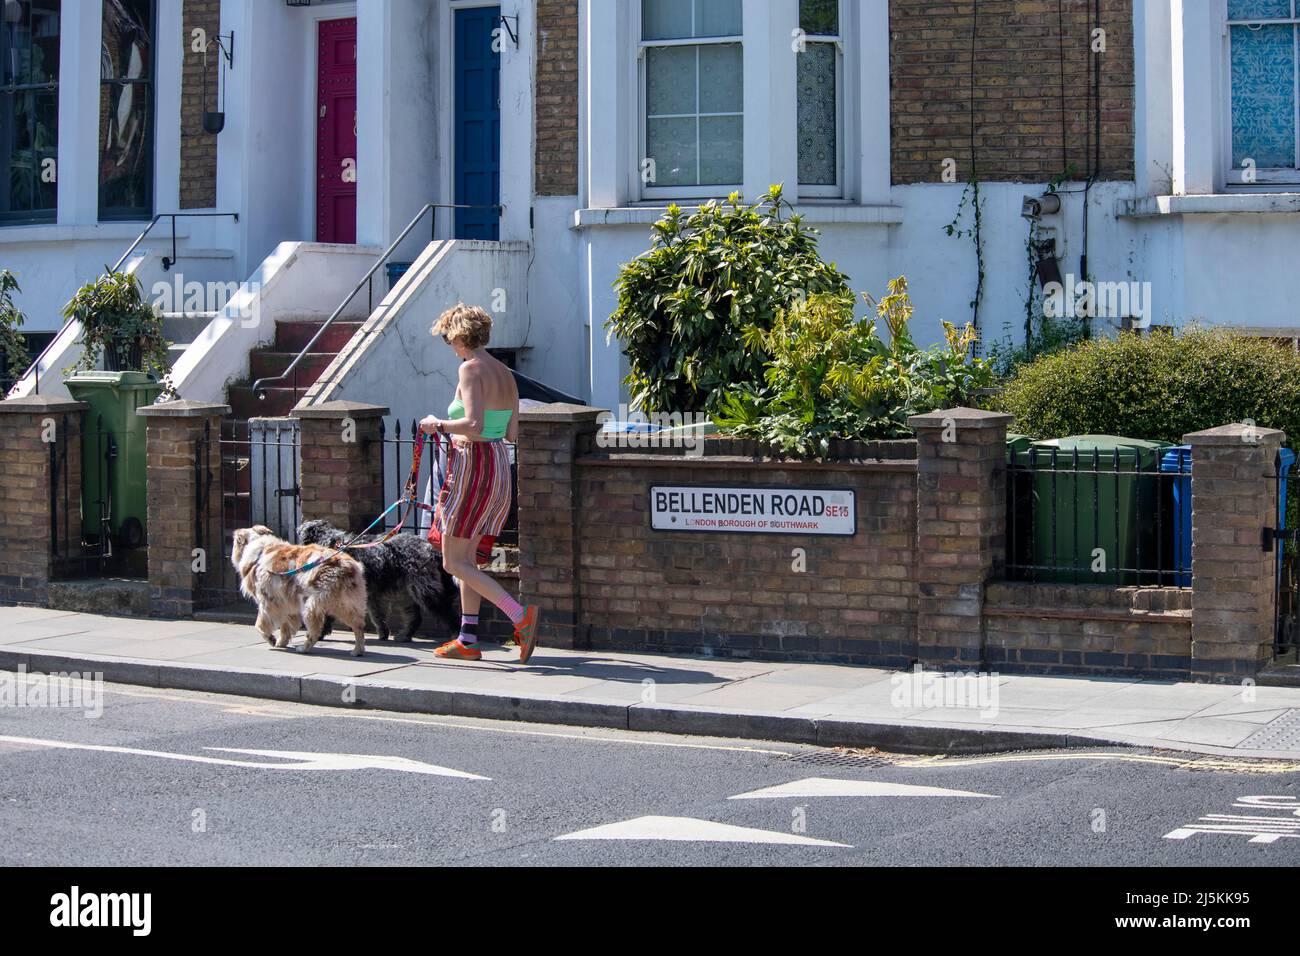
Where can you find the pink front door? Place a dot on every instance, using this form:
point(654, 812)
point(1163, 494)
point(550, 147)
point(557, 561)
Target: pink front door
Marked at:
point(336, 132)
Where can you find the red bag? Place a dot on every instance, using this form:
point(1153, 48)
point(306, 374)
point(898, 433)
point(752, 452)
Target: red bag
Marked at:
point(482, 554)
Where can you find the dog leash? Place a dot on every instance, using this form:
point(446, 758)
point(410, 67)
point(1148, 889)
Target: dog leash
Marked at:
point(408, 499)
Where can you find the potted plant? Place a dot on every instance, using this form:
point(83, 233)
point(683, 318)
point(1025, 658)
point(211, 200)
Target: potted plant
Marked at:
point(12, 342)
point(119, 326)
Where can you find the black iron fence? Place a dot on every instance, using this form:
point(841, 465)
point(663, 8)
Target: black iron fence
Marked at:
point(252, 469)
point(1116, 517)
point(84, 541)
point(398, 450)
point(1284, 541)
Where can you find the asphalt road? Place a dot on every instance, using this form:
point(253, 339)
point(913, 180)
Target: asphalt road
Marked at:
point(153, 780)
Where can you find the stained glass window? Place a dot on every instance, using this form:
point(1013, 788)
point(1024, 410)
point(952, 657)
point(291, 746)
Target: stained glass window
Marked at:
point(29, 109)
point(818, 70)
point(126, 110)
point(1262, 73)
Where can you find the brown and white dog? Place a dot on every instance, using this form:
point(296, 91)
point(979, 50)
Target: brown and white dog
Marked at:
point(335, 588)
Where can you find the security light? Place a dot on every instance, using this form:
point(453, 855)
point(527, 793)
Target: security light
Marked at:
point(1036, 207)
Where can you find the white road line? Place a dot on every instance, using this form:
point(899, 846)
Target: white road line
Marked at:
point(304, 760)
point(318, 710)
point(829, 787)
point(690, 830)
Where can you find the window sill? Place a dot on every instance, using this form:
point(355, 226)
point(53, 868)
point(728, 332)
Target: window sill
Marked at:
point(1216, 203)
point(109, 232)
point(812, 212)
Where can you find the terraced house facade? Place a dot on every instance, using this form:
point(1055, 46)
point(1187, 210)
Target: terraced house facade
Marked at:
point(1148, 147)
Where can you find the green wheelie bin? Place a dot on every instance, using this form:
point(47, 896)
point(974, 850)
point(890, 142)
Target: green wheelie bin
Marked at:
point(1095, 508)
point(113, 493)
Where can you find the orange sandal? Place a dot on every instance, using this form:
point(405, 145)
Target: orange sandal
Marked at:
point(457, 651)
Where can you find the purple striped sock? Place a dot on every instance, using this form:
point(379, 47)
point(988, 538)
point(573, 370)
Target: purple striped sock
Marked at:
point(469, 629)
point(512, 609)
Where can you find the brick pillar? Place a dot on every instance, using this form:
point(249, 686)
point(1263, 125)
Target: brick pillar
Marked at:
point(1234, 497)
point(960, 529)
point(549, 439)
point(173, 431)
point(342, 478)
point(40, 494)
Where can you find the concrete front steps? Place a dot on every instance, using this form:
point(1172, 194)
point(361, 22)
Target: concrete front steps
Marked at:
point(278, 399)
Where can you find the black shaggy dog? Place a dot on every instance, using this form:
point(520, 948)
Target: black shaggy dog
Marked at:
point(404, 580)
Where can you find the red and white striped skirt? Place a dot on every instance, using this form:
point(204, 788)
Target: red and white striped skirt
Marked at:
point(475, 499)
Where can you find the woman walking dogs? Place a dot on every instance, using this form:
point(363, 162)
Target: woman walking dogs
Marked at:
point(475, 498)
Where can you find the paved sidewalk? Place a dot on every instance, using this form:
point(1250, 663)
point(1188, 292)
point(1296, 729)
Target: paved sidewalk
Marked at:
point(801, 703)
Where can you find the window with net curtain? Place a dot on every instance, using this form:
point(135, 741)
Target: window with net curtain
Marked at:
point(694, 93)
point(818, 79)
point(1262, 42)
point(29, 109)
point(126, 110)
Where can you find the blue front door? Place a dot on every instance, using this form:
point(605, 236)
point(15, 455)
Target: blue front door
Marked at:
point(478, 123)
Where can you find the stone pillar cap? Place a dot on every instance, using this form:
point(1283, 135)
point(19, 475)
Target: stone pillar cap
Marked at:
point(340, 409)
point(962, 417)
point(1237, 433)
point(562, 412)
point(184, 408)
point(40, 404)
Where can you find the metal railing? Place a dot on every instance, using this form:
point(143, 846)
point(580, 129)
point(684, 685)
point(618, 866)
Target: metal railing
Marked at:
point(34, 369)
point(368, 282)
point(1284, 541)
point(1097, 517)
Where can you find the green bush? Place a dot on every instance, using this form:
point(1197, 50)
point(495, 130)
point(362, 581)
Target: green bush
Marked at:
point(13, 344)
point(685, 306)
point(1159, 386)
point(831, 376)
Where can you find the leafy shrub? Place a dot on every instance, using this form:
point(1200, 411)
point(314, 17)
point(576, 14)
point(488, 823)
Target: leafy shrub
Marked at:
point(831, 376)
point(12, 342)
point(118, 324)
point(1159, 386)
point(685, 306)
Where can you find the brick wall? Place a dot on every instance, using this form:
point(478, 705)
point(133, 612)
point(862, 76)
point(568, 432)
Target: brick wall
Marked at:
point(556, 104)
point(1088, 629)
point(198, 149)
point(32, 537)
point(681, 591)
point(1017, 88)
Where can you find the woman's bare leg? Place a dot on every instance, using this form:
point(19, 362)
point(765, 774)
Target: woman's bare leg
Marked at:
point(458, 559)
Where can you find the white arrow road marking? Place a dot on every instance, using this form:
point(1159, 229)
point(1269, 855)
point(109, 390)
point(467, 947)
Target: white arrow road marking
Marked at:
point(304, 760)
point(689, 830)
point(1259, 829)
point(828, 787)
point(316, 761)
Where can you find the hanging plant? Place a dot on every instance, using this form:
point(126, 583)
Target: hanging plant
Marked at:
point(119, 326)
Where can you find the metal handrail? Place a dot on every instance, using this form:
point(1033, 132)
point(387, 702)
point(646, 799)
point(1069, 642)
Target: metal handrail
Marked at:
point(35, 368)
point(167, 263)
point(367, 280)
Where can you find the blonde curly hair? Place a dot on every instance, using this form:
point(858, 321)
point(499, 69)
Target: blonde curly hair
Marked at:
point(466, 324)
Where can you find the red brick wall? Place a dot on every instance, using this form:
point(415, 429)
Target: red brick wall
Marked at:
point(198, 149)
point(737, 593)
point(556, 104)
point(1017, 89)
point(1058, 629)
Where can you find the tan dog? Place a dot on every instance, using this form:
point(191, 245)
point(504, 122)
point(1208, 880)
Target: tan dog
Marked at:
point(335, 588)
